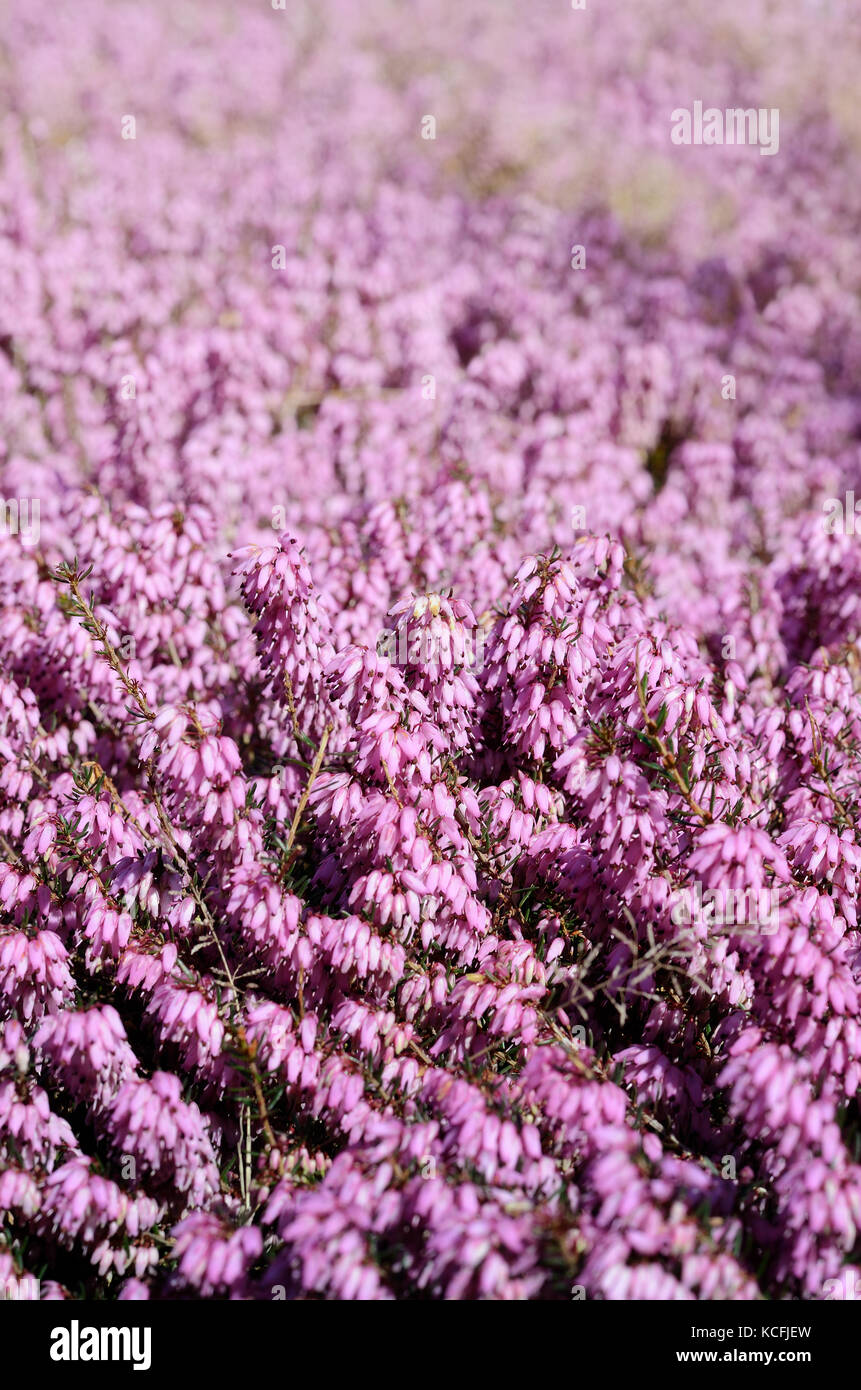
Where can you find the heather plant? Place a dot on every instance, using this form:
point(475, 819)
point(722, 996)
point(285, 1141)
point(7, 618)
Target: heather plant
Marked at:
point(430, 659)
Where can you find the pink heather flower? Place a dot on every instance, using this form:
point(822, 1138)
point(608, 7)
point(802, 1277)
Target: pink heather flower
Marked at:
point(88, 1051)
point(213, 1258)
point(82, 1208)
point(149, 1121)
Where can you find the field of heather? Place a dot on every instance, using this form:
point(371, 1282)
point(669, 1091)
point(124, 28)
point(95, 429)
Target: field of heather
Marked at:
point(430, 650)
